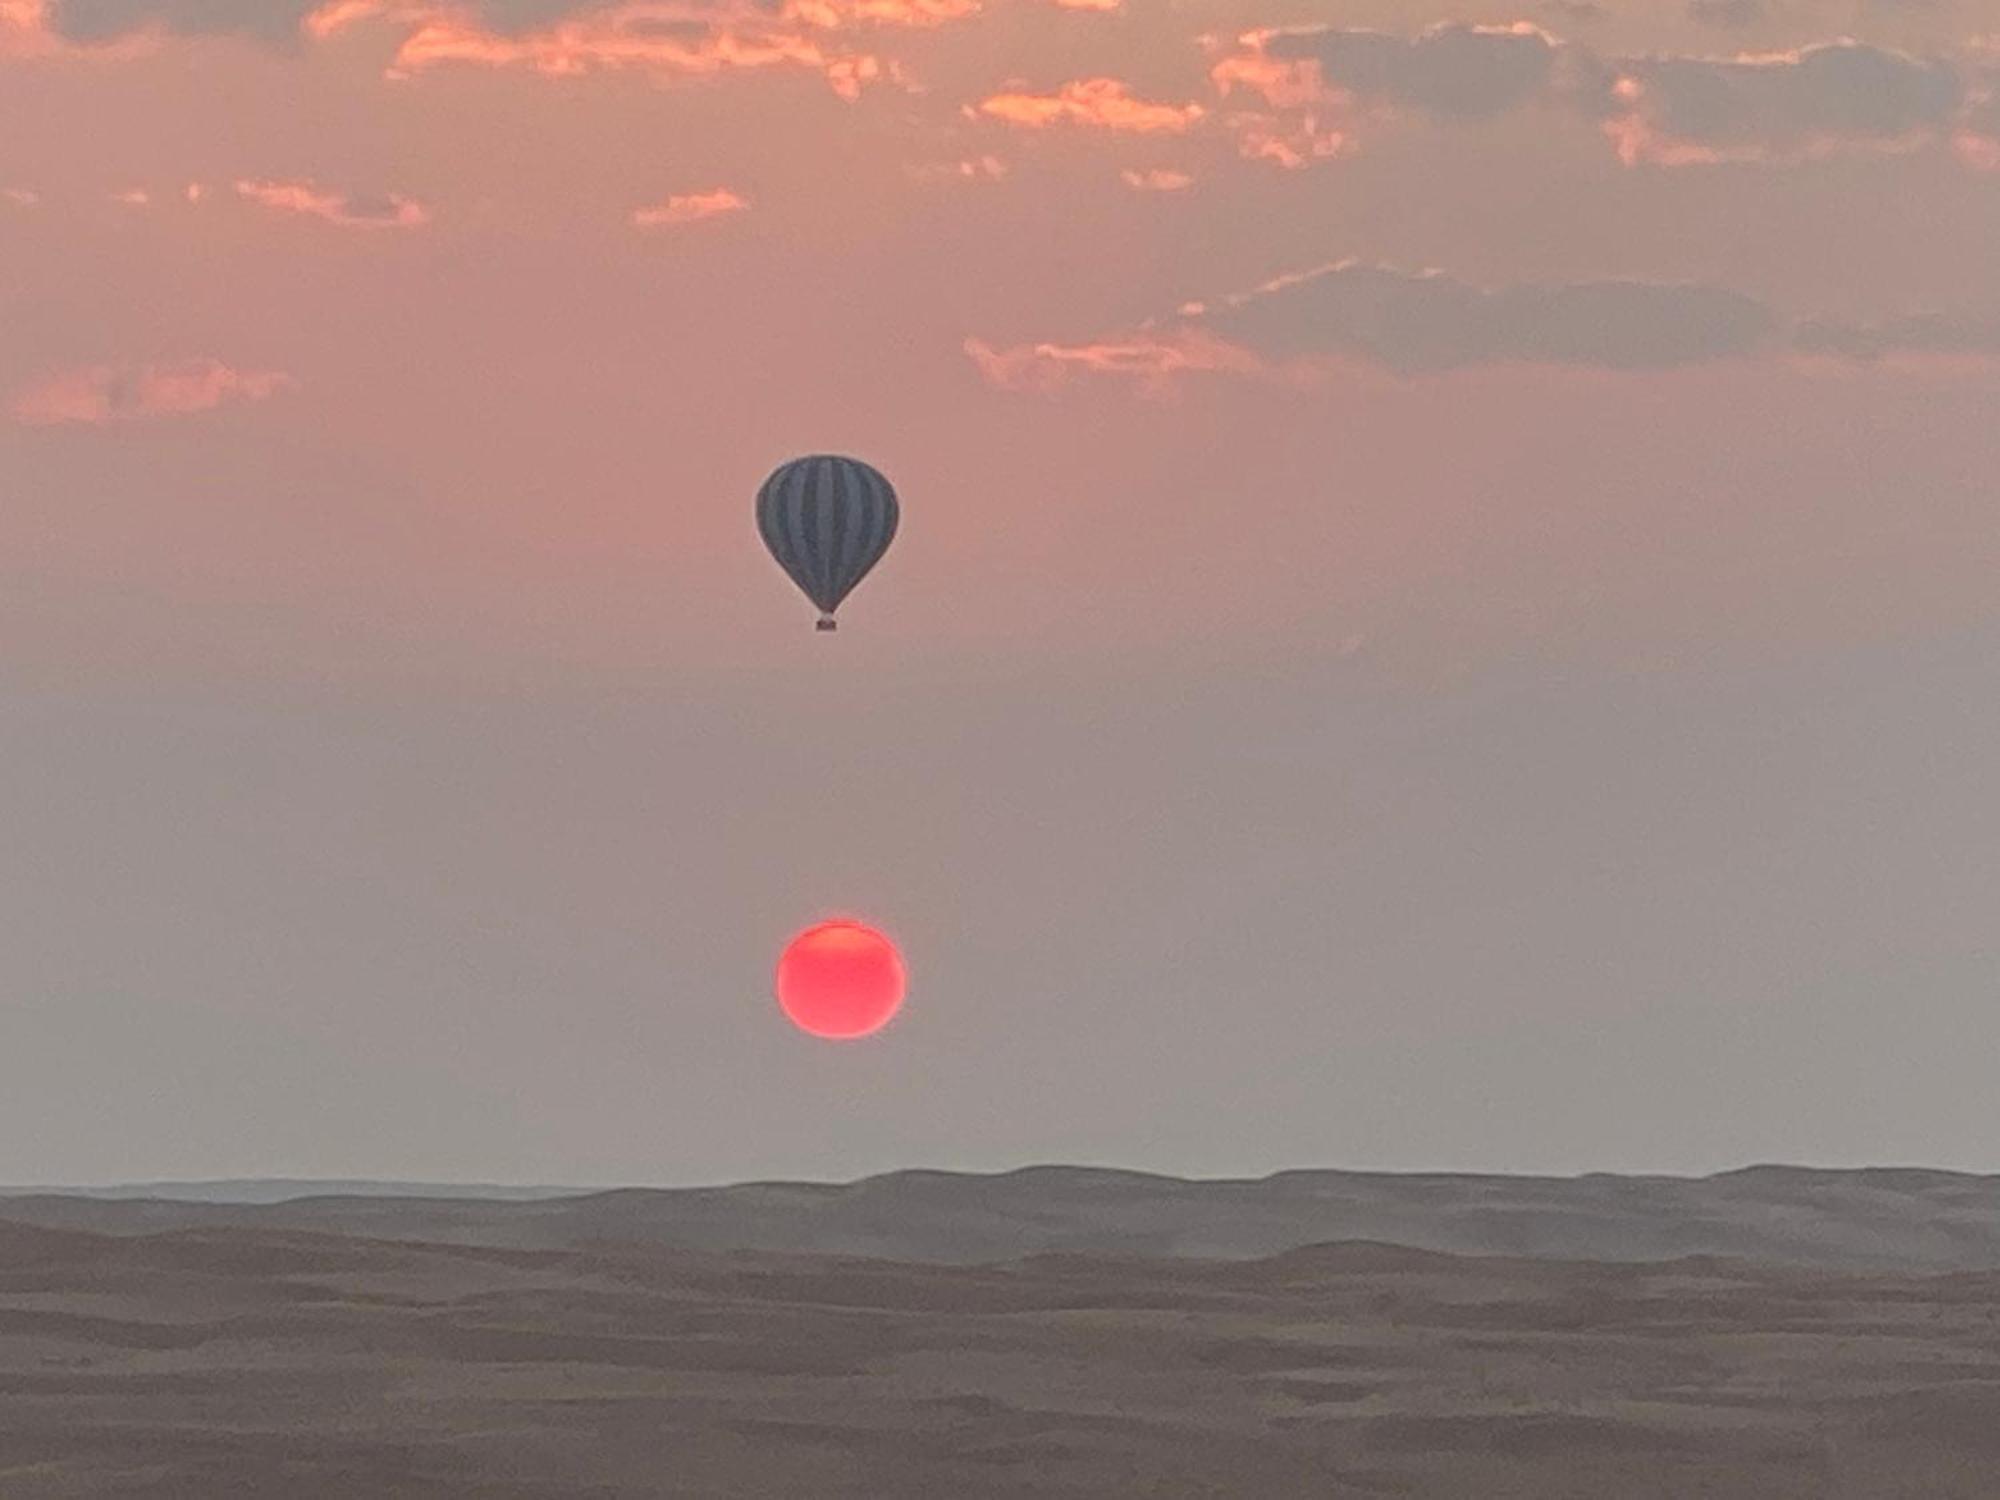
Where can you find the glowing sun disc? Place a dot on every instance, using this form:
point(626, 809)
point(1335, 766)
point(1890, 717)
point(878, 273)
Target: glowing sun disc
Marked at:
point(840, 980)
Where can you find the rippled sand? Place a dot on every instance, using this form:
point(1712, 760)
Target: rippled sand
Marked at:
point(277, 1362)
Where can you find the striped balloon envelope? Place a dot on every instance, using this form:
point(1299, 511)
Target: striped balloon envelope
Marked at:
point(827, 520)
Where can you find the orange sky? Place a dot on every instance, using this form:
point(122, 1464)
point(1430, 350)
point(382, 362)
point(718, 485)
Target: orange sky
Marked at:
point(467, 299)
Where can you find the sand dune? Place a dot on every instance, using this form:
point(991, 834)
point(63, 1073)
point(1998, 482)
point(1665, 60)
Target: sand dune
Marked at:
point(1847, 1220)
point(270, 1361)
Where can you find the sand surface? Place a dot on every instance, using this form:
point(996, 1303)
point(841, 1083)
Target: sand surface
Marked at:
point(244, 1360)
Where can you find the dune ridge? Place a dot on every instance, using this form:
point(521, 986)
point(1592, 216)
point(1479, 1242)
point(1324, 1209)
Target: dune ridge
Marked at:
point(1886, 1219)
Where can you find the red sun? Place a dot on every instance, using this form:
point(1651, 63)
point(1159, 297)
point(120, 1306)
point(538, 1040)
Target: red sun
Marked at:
point(840, 980)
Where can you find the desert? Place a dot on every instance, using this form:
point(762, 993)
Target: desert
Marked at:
point(386, 1346)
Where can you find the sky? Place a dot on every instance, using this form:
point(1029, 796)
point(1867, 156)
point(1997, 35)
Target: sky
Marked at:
point(1445, 613)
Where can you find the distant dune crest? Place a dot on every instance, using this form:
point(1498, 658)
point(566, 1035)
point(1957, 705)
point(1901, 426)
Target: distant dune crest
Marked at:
point(1887, 1219)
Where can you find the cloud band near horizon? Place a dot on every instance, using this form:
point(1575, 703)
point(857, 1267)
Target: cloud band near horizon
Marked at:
point(1423, 323)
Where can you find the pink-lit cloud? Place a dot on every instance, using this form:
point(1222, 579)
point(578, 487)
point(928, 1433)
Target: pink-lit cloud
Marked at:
point(345, 210)
point(1977, 139)
point(1252, 65)
point(625, 38)
point(1292, 95)
point(1156, 180)
point(666, 39)
point(690, 208)
point(23, 29)
point(1979, 152)
point(1153, 360)
point(986, 168)
point(1291, 141)
point(1295, 128)
point(1097, 103)
point(337, 15)
point(121, 393)
point(835, 15)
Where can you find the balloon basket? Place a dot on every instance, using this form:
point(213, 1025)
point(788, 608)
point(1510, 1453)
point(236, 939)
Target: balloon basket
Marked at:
point(826, 623)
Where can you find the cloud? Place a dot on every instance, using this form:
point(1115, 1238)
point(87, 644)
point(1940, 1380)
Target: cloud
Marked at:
point(1322, 84)
point(1977, 140)
point(1251, 65)
point(108, 393)
point(1153, 360)
point(1156, 180)
point(347, 210)
point(1291, 143)
point(21, 197)
point(281, 21)
point(1415, 324)
point(1730, 14)
point(273, 21)
point(986, 168)
point(1421, 322)
point(1099, 103)
point(1916, 335)
point(664, 38)
point(1292, 96)
point(675, 40)
point(690, 208)
point(627, 37)
point(1411, 324)
point(1669, 110)
point(835, 15)
point(1451, 71)
point(1675, 110)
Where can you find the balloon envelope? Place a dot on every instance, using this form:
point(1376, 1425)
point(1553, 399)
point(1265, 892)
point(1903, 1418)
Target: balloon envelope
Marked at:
point(827, 520)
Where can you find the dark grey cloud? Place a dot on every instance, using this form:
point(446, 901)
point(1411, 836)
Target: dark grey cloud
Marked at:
point(1831, 94)
point(102, 20)
point(509, 16)
point(1416, 323)
point(1732, 14)
point(278, 21)
point(1943, 334)
point(1453, 71)
point(1837, 90)
point(372, 208)
point(526, 15)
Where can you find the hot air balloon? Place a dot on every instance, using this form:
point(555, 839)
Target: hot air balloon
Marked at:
point(827, 520)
